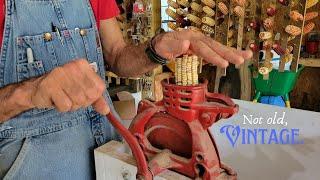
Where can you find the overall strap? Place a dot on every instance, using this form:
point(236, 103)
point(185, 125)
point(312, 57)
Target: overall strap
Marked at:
point(9, 4)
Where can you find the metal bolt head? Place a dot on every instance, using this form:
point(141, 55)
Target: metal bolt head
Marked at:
point(47, 36)
point(83, 32)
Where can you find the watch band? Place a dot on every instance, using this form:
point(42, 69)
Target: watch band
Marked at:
point(153, 56)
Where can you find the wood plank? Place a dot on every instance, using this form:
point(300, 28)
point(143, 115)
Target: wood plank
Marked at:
point(114, 161)
point(301, 7)
point(309, 62)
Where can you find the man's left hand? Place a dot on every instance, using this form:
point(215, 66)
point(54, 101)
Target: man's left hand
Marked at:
point(174, 44)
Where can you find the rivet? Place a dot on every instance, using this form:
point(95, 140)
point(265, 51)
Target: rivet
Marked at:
point(47, 36)
point(83, 32)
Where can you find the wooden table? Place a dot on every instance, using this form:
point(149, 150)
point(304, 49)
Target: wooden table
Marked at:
point(252, 162)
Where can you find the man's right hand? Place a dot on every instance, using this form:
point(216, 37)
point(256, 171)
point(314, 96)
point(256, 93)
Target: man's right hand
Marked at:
point(73, 86)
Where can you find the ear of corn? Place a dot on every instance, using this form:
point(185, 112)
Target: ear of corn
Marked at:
point(172, 25)
point(186, 70)
point(194, 19)
point(208, 21)
point(171, 13)
point(184, 3)
point(209, 12)
point(196, 7)
point(293, 30)
point(223, 8)
point(308, 28)
point(311, 3)
point(209, 3)
point(311, 15)
point(173, 4)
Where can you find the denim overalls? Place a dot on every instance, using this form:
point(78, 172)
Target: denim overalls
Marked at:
point(43, 143)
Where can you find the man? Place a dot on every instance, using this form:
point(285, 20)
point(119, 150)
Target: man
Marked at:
point(52, 102)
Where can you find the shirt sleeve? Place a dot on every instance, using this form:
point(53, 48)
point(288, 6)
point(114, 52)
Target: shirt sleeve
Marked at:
point(108, 9)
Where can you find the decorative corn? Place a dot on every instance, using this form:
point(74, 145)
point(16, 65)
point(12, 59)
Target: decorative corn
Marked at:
point(239, 11)
point(181, 12)
point(210, 12)
point(266, 68)
point(240, 2)
point(293, 30)
point(296, 16)
point(207, 29)
point(311, 15)
point(184, 77)
point(208, 21)
point(268, 23)
point(194, 19)
point(183, 3)
point(196, 7)
point(265, 35)
point(173, 4)
point(171, 13)
point(311, 3)
point(209, 3)
point(172, 25)
point(308, 28)
point(223, 8)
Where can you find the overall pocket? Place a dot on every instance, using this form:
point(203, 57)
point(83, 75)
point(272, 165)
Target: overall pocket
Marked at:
point(12, 154)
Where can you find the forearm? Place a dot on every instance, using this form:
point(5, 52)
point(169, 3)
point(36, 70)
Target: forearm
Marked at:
point(132, 61)
point(15, 99)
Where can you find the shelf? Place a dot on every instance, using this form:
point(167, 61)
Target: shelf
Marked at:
point(310, 62)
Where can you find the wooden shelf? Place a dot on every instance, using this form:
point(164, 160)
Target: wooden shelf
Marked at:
point(310, 62)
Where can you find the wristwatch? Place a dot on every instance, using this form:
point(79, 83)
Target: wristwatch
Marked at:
point(153, 56)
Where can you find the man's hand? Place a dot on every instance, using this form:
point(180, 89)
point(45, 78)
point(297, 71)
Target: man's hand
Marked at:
point(70, 87)
point(174, 44)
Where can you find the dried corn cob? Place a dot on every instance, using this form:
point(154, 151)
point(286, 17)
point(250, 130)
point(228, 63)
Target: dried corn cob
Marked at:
point(178, 73)
point(194, 69)
point(265, 35)
point(311, 3)
point(239, 11)
point(210, 12)
point(240, 2)
point(196, 7)
point(268, 23)
point(183, 3)
point(289, 49)
point(181, 12)
point(288, 58)
point(189, 70)
point(208, 21)
point(311, 15)
point(296, 16)
point(308, 28)
point(194, 19)
point(171, 13)
point(223, 8)
point(266, 68)
point(207, 29)
point(184, 79)
point(172, 25)
point(293, 30)
point(173, 4)
point(209, 3)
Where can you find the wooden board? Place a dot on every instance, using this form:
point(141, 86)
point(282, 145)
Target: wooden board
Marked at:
point(301, 7)
point(113, 161)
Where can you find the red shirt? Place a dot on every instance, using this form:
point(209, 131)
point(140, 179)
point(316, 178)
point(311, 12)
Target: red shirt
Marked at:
point(103, 9)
